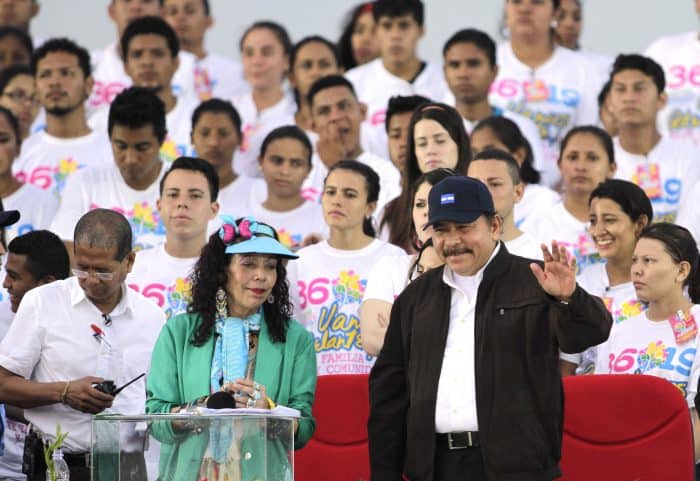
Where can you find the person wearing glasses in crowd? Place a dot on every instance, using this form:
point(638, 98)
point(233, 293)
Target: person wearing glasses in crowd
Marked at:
point(239, 337)
point(50, 356)
point(18, 94)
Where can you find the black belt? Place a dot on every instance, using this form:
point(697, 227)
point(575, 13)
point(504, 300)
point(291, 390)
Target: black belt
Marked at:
point(461, 440)
point(77, 460)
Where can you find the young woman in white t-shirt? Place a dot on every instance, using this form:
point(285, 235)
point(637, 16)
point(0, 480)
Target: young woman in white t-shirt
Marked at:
point(436, 139)
point(391, 274)
point(285, 162)
point(498, 132)
point(661, 341)
point(587, 159)
point(265, 47)
point(619, 211)
point(311, 58)
point(36, 206)
point(329, 278)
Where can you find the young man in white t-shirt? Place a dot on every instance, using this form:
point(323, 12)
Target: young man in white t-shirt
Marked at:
point(215, 75)
point(665, 169)
point(63, 82)
point(337, 115)
point(499, 171)
point(470, 68)
point(398, 70)
point(33, 259)
point(150, 49)
point(130, 184)
point(186, 205)
point(110, 76)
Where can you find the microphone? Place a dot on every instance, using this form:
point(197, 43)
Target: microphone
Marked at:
point(108, 319)
point(221, 400)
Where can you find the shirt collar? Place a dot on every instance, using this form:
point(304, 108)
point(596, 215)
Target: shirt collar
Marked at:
point(452, 279)
point(77, 295)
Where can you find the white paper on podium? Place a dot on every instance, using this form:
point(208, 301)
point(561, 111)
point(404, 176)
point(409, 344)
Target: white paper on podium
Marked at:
point(279, 411)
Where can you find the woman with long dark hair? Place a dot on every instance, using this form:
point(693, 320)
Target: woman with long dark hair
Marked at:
point(358, 42)
point(238, 336)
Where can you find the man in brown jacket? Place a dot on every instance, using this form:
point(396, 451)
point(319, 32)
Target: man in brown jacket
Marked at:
point(467, 385)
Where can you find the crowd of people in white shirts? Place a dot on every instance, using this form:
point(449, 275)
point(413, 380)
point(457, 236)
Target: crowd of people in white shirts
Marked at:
point(337, 144)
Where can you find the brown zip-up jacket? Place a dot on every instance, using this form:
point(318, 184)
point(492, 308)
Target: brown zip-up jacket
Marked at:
point(519, 330)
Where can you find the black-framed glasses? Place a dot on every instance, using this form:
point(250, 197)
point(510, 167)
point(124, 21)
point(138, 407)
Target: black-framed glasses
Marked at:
point(21, 96)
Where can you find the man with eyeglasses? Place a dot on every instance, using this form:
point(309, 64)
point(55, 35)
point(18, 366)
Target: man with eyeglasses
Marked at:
point(49, 157)
point(50, 359)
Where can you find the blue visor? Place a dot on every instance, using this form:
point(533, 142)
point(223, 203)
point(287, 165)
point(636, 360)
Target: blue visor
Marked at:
point(261, 245)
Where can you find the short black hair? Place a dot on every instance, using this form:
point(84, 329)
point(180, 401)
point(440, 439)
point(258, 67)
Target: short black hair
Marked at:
point(195, 164)
point(401, 104)
point(104, 228)
point(217, 106)
point(502, 156)
point(24, 38)
point(9, 73)
point(277, 30)
point(137, 107)
point(480, 39)
point(642, 64)
point(288, 132)
point(46, 254)
point(629, 196)
point(310, 39)
point(399, 8)
point(63, 45)
point(149, 25)
point(600, 134)
point(327, 82)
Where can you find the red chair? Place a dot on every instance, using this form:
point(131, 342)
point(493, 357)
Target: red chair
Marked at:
point(338, 451)
point(625, 428)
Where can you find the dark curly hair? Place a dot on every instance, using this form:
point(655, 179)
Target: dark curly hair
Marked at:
point(211, 272)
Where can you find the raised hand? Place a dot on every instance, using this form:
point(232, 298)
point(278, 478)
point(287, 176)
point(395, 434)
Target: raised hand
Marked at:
point(558, 278)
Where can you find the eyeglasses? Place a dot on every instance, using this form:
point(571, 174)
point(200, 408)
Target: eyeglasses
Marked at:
point(21, 96)
point(103, 276)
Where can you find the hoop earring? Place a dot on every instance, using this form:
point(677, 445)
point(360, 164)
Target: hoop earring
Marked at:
point(270, 299)
point(221, 303)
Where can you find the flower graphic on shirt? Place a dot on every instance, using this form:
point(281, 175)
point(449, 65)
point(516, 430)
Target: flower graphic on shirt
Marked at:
point(248, 131)
point(178, 296)
point(202, 83)
point(653, 356)
point(144, 219)
point(65, 168)
point(349, 288)
point(169, 151)
point(628, 309)
point(648, 177)
point(289, 240)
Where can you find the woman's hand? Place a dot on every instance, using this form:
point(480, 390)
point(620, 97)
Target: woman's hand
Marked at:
point(248, 394)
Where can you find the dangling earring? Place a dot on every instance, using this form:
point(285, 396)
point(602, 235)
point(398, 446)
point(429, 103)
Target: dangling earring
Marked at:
point(270, 299)
point(221, 303)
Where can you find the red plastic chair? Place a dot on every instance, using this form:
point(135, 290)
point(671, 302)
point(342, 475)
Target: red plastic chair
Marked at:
point(625, 428)
point(338, 451)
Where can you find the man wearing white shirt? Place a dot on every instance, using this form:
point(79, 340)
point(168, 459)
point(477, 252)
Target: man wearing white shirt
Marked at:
point(664, 168)
point(130, 184)
point(33, 259)
point(469, 58)
point(110, 76)
point(151, 59)
point(186, 205)
point(336, 116)
point(500, 173)
point(63, 82)
point(49, 358)
point(472, 350)
point(398, 70)
point(215, 75)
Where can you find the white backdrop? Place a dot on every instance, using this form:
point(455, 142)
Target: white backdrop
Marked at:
point(611, 26)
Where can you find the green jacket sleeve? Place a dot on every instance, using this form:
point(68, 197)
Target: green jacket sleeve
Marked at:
point(303, 386)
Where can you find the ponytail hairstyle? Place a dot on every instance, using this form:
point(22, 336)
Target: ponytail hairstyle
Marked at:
point(509, 134)
point(600, 134)
point(679, 244)
point(371, 183)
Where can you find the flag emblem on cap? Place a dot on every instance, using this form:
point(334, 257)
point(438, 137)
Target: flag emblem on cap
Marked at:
point(447, 199)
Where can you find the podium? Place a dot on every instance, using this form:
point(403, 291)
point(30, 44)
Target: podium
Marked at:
point(251, 445)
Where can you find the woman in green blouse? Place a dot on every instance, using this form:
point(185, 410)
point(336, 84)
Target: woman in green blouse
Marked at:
point(238, 337)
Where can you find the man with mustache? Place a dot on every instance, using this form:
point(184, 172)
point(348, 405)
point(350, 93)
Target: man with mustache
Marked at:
point(49, 157)
point(467, 385)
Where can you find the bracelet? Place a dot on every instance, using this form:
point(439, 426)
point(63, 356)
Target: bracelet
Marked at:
point(64, 395)
point(271, 404)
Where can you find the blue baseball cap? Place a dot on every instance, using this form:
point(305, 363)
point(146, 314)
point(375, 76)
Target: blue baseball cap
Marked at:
point(257, 238)
point(460, 199)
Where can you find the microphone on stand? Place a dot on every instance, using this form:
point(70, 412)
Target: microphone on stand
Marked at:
point(221, 400)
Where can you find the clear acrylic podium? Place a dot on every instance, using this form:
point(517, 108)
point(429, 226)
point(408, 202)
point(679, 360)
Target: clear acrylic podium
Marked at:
point(193, 447)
